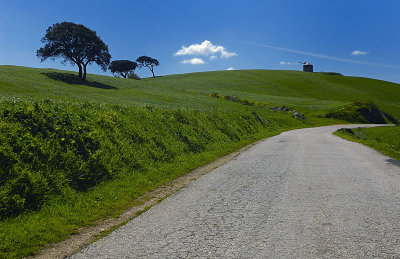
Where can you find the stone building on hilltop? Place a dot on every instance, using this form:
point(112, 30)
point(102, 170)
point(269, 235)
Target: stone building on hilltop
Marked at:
point(307, 67)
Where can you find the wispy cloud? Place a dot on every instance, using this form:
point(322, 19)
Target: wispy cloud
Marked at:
point(287, 63)
point(359, 52)
point(230, 68)
point(193, 61)
point(322, 55)
point(206, 48)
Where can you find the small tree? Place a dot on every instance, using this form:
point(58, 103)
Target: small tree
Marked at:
point(150, 63)
point(74, 43)
point(122, 67)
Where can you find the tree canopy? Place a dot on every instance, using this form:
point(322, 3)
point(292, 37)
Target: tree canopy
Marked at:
point(74, 43)
point(150, 63)
point(122, 67)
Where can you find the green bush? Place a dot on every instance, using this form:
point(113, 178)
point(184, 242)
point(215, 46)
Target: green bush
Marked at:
point(360, 112)
point(134, 76)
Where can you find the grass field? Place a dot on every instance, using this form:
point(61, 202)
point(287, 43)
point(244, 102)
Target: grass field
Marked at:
point(307, 92)
point(384, 139)
point(76, 151)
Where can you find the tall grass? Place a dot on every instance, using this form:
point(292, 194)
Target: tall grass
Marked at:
point(48, 149)
point(65, 164)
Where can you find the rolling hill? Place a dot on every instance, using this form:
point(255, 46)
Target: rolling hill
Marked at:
point(313, 92)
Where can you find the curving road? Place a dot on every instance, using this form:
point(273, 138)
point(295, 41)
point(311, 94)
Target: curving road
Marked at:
point(305, 193)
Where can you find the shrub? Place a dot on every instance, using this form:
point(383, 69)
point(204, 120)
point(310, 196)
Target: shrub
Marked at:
point(231, 98)
point(134, 76)
point(360, 112)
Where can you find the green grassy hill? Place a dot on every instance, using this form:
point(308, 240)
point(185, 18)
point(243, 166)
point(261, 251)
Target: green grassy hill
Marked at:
point(315, 92)
point(73, 152)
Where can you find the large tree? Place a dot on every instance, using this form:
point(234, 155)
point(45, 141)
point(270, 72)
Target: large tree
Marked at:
point(74, 43)
point(150, 63)
point(122, 67)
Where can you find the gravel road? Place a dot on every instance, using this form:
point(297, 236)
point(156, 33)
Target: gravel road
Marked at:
point(305, 193)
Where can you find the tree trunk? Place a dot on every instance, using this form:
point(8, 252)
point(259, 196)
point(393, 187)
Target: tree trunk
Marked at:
point(152, 71)
point(80, 70)
point(84, 71)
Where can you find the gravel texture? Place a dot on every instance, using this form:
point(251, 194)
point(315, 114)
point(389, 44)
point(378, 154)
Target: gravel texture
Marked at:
point(303, 194)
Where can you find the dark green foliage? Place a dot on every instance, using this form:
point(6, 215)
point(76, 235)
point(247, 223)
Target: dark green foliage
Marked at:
point(330, 73)
point(360, 112)
point(231, 98)
point(47, 148)
point(123, 67)
point(234, 99)
point(74, 43)
point(134, 76)
point(150, 63)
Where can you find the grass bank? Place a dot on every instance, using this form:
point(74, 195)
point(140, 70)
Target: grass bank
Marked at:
point(384, 139)
point(70, 164)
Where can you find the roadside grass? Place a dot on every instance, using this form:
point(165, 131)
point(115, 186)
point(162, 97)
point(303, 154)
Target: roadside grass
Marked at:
point(74, 152)
point(384, 139)
point(80, 162)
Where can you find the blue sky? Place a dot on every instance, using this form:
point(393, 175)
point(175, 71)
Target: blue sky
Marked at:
point(352, 37)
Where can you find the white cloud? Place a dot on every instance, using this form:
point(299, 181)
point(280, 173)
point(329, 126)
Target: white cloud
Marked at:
point(230, 68)
point(213, 57)
point(193, 61)
point(287, 63)
point(359, 52)
point(206, 48)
